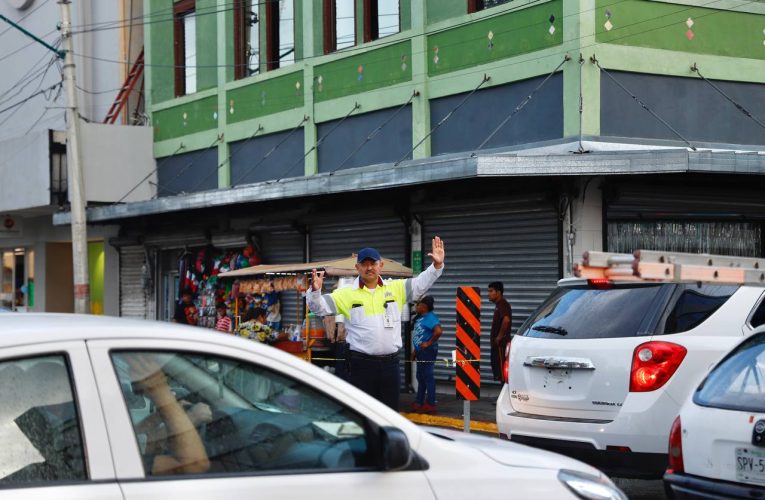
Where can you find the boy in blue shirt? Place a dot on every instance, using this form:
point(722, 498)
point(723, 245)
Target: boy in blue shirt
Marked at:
point(427, 330)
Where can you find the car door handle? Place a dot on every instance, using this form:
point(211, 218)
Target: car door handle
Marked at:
point(559, 362)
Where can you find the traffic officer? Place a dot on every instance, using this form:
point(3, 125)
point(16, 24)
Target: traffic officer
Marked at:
point(372, 310)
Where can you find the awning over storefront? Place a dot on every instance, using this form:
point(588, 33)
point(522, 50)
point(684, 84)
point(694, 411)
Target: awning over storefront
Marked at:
point(549, 159)
point(338, 267)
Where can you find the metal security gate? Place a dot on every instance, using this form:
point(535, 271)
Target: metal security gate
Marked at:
point(134, 299)
point(341, 238)
point(515, 241)
point(689, 219)
point(287, 247)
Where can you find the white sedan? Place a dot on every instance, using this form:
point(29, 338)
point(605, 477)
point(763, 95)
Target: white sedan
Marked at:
point(717, 443)
point(106, 408)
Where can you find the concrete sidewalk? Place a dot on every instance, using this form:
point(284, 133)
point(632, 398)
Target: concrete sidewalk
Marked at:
point(450, 410)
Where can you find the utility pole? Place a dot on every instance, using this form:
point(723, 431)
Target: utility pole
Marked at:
point(76, 184)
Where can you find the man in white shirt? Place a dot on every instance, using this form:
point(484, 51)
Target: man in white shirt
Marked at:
point(372, 311)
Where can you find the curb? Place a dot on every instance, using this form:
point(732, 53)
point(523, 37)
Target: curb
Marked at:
point(454, 423)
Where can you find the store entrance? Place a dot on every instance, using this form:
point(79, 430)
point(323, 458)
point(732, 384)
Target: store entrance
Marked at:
point(17, 280)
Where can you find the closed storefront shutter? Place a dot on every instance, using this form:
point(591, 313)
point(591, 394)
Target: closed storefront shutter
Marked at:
point(688, 218)
point(341, 238)
point(285, 248)
point(515, 241)
point(133, 300)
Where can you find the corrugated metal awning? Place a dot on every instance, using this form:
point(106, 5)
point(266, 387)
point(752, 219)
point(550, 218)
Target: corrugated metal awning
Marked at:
point(601, 158)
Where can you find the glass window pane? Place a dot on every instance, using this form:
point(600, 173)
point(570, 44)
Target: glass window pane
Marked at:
point(738, 383)
point(246, 418)
point(487, 4)
point(253, 49)
point(695, 305)
point(286, 32)
point(388, 19)
point(190, 51)
point(569, 313)
point(345, 23)
point(39, 425)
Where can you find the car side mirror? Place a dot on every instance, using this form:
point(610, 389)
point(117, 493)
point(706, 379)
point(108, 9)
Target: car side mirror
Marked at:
point(396, 453)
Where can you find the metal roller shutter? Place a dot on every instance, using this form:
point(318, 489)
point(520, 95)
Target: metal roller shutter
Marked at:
point(133, 300)
point(285, 248)
point(333, 240)
point(514, 241)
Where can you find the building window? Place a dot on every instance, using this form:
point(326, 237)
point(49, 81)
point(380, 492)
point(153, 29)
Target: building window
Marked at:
point(381, 18)
point(280, 33)
point(185, 28)
point(246, 38)
point(339, 24)
point(476, 5)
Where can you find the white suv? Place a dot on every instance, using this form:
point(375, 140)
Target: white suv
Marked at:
point(599, 371)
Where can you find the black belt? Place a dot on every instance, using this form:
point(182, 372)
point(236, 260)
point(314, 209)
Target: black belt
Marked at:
point(379, 357)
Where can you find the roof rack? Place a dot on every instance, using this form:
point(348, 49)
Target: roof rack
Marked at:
point(647, 265)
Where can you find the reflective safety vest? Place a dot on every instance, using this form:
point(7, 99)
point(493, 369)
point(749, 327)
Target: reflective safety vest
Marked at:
point(373, 316)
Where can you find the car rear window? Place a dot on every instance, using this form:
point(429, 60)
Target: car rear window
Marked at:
point(738, 382)
point(591, 313)
point(695, 304)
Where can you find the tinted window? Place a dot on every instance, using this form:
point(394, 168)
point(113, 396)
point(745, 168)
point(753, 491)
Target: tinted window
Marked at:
point(39, 426)
point(758, 318)
point(203, 414)
point(695, 304)
point(738, 382)
point(583, 313)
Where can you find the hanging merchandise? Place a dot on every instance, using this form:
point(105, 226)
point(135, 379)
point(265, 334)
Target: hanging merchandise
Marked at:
point(198, 272)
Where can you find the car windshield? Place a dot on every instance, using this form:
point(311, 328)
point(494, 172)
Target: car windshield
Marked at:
point(583, 312)
point(738, 382)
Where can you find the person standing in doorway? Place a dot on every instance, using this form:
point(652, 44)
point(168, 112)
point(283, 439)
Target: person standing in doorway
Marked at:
point(186, 312)
point(222, 319)
point(427, 330)
point(372, 310)
point(500, 327)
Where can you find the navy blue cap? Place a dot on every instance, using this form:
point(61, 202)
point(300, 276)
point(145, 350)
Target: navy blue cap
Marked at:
point(368, 253)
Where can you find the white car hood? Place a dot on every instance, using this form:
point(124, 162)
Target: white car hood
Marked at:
point(513, 454)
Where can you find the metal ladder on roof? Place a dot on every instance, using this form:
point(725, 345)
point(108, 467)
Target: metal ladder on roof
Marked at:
point(657, 266)
point(122, 96)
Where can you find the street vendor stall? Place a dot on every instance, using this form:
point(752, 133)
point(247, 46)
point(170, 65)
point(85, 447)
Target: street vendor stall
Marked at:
point(308, 332)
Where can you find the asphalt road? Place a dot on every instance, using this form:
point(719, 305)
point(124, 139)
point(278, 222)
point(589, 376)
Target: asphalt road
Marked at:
point(638, 489)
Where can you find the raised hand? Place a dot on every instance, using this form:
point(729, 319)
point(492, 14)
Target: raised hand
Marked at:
point(437, 254)
point(317, 280)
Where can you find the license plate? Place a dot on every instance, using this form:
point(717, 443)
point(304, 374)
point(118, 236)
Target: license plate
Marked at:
point(750, 465)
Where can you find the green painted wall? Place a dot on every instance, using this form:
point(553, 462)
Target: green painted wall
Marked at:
point(162, 58)
point(663, 26)
point(185, 119)
point(371, 70)
point(207, 42)
point(265, 98)
point(405, 15)
point(96, 276)
point(441, 10)
point(496, 38)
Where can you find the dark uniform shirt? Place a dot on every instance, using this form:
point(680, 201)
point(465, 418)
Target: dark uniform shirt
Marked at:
point(503, 309)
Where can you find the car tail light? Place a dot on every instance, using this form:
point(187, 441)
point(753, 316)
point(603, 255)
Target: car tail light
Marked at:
point(676, 448)
point(506, 364)
point(653, 363)
point(600, 283)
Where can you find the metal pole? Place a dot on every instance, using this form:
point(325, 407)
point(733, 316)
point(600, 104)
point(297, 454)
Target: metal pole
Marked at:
point(466, 414)
point(76, 183)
